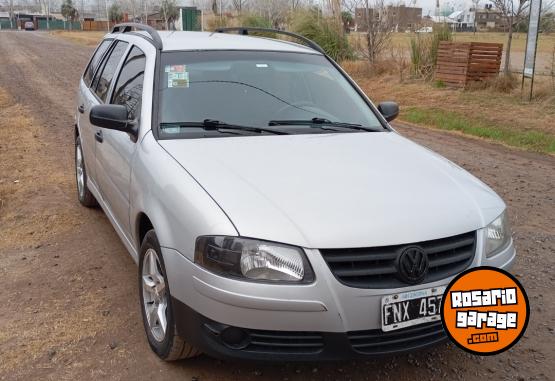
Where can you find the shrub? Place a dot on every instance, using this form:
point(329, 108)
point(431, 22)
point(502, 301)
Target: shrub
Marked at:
point(423, 51)
point(420, 56)
point(501, 83)
point(440, 33)
point(324, 32)
point(217, 22)
point(439, 84)
point(363, 69)
point(256, 21)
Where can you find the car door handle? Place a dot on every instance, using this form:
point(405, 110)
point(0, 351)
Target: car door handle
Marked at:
point(81, 108)
point(98, 136)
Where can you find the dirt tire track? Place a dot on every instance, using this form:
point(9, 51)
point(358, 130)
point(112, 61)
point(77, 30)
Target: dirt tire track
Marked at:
point(71, 306)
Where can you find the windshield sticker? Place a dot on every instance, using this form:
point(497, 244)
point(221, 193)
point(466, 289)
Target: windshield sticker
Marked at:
point(261, 65)
point(175, 68)
point(177, 76)
point(178, 80)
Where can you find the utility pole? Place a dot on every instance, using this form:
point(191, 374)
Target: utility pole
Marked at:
point(146, 12)
point(367, 17)
point(47, 14)
point(107, 15)
point(11, 14)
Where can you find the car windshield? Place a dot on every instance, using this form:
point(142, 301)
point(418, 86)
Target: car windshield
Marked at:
point(230, 93)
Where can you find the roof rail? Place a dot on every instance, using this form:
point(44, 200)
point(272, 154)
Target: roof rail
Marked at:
point(244, 30)
point(129, 26)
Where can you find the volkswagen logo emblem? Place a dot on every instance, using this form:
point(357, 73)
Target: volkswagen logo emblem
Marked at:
point(412, 265)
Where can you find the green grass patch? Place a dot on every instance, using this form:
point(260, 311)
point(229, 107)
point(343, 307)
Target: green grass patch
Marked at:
point(537, 141)
point(439, 84)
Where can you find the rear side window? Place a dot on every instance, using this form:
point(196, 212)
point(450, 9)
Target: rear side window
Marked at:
point(95, 60)
point(102, 81)
point(129, 86)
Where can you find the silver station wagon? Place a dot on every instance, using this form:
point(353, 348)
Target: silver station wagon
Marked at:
point(272, 210)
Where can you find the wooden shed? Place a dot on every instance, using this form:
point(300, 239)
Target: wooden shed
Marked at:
point(459, 63)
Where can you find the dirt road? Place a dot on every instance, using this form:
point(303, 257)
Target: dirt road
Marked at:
point(69, 297)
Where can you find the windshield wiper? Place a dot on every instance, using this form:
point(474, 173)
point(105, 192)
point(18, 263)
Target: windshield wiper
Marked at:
point(318, 122)
point(216, 125)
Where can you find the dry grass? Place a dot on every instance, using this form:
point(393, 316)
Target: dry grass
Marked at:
point(486, 108)
point(545, 41)
point(82, 38)
point(65, 324)
point(501, 84)
point(34, 212)
point(363, 69)
point(544, 58)
point(25, 219)
point(491, 105)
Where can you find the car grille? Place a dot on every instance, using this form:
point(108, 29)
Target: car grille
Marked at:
point(377, 342)
point(285, 342)
point(375, 267)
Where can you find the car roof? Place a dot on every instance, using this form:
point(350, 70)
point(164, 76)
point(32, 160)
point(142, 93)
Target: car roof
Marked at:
point(177, 40)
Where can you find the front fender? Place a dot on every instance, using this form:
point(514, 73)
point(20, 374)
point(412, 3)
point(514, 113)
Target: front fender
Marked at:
point(178, 207)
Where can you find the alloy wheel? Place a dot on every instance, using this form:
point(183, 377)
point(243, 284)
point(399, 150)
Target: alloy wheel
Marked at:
point(155, 297)
point(80, 171)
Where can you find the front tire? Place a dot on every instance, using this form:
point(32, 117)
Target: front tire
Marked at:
point(84, 195)
point(156, 305)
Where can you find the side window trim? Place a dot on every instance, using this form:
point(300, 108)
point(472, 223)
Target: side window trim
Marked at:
point(116, 78)
point(105, 57)
point(99, 60)
point(117, 72)
point(100, 67)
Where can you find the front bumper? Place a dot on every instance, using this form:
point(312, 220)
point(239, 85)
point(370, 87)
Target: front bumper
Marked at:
point(228, 342)
point(206, 304)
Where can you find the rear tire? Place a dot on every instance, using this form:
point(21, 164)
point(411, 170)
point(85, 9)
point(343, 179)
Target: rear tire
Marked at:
point(156, 306)
point(84, 195)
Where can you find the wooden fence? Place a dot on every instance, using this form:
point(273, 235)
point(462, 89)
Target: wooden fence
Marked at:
point(91, 25)
point(459, 63)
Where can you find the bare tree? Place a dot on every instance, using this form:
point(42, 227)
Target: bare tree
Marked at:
point(335, 7)
point(475, 5)
point(351, 5)
point(131, 7)
point(275, 11)
point(513, 11)
point(379, 28)
point(239, 5)
point(169, 11)
point(295, 4)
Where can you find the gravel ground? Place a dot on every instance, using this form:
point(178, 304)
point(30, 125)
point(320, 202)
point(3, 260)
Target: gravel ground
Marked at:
point(69, 296)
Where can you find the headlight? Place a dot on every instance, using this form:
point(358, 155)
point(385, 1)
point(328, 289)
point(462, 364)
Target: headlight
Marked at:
point(252, 259)
point(498, 235)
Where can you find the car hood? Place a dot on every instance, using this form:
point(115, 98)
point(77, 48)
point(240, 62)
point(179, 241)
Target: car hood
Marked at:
point(337, 190)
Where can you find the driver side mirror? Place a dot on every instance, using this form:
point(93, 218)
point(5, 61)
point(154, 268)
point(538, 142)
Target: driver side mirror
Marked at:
point(114, 117)
point(389, 110)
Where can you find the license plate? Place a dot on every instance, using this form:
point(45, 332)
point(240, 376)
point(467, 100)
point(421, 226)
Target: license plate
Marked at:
point(411, 308)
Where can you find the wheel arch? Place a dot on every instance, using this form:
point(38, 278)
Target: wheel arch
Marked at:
point(143, 225)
